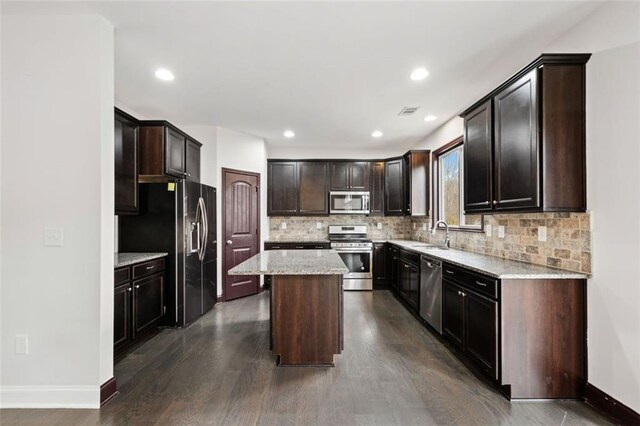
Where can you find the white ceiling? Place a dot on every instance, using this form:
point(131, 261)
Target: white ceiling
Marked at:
point(331, 71)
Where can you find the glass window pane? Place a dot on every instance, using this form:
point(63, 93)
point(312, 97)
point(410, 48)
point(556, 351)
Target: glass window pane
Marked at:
point(450, 187)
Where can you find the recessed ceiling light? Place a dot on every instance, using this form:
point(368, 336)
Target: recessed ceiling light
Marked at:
point(430, 118)
point(288, 134)
point(164, 74)
point(376, 134)
point(419, 74)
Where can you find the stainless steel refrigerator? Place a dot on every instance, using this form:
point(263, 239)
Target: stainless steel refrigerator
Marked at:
point(178, 218)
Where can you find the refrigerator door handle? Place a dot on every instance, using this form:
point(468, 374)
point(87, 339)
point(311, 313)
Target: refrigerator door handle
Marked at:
point(203, 216)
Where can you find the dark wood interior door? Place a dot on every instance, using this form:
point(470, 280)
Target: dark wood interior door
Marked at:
point(241, 209)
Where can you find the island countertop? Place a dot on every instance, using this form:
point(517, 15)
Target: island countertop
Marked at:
point(292, 262)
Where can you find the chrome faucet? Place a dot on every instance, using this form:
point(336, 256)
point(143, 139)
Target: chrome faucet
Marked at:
point(447, 241)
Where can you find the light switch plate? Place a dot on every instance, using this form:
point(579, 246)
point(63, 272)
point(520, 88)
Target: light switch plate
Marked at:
point(542, 233)
point(22, 344)
point(53, 237)
point(318, 225)
point(500, 231)
point(488, 230)
point(379, 225)
point(283, 225)
point(424, 226)
point(414, 225)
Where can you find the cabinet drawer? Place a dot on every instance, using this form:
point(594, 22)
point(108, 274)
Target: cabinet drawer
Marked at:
point(472, 280)
point(410, 257)
point(148, 268)
point(121, 276)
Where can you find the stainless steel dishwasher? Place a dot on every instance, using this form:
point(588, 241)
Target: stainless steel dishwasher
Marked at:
point(431, 292)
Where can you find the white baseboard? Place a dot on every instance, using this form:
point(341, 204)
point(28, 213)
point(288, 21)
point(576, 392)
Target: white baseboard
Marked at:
point(50, 397)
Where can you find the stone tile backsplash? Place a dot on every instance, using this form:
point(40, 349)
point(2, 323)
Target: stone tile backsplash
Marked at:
point(304, 228)
point(568, 244)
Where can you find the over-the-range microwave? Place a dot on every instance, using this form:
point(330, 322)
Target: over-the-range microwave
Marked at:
point(349, 202)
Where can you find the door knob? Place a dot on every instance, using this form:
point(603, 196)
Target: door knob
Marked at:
point(229, 242)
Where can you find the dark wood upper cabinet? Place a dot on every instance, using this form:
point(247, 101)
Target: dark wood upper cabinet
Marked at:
point(192, 160)
point(350, 175)
point(167, 153)
point(282, 188)
point(394, 187)
point(478, 178)
point(377, 188)
point(516, 145)
point(537, 135)
point(313, 187)
point(126, 163)
point(416, 183)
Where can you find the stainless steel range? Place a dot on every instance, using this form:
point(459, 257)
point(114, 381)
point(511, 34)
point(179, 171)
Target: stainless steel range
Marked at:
point(356, 250)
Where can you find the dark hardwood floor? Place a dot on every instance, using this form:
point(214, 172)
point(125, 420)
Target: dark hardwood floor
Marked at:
point(220, 371)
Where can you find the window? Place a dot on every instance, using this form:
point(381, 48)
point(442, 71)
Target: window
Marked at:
point(448, 195)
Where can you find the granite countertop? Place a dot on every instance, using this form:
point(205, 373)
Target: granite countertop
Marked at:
point(292, 262)
point(297, 240)
point(490, 265)
point(126, 259)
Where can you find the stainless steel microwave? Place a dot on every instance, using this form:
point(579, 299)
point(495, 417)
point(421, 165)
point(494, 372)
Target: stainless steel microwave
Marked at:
point(349, 202)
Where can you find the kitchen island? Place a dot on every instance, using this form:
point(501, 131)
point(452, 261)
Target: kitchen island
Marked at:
point(306, 303)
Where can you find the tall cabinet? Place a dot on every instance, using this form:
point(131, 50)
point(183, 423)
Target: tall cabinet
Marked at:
point(525, 141)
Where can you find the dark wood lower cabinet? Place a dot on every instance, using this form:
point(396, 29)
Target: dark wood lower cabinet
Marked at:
point(148, 303)
point(453, 313)
point(122, 316)
point(409, 283)
point(380, 264)
point(138, 302)
point(482, 329)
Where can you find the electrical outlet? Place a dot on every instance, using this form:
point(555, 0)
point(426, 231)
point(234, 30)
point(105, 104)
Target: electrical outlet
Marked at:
point(53, 237)
point(542, 233)
point(487, 230)
point(22, 344)
point(500, 231)
point(379, 225)
point(424, 226)
point(414, 225)
point(318, 225)
point(283, 225)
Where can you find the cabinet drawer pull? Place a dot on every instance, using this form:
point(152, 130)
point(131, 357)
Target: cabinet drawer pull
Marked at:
point(275, 247)
point(449, 272)
point(150, 267)
point(299, 247)
point(481, 283)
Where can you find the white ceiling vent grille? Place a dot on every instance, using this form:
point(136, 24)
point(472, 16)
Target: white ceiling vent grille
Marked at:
point(408, 111)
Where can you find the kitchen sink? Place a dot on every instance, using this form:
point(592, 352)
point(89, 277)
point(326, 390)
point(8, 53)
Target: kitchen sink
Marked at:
point(433, 247)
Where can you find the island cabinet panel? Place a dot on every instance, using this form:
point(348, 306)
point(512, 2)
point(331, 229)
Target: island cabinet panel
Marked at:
point(126, 163)
point(167, 153)
point(377, 188)
point(307, 319)
point(380, 266)
point(350, 175)
point(525, 141)
point(478, 179)
point(313, 182)
point(394, 204)
point(282, 191)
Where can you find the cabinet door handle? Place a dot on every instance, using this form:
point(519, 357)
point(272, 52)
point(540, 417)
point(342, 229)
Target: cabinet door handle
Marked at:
point(486, 203)
point(495, 202)
point(449, 272)
point(137, 286)
point(459, 293)
point(464, 294)
point(481, 283)
point(129, 289)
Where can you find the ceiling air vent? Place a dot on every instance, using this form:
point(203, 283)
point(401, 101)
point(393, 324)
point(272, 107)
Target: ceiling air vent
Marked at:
point(408, 111)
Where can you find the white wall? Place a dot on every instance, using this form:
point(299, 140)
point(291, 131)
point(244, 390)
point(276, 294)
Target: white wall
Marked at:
point(241, 151)
point(612, 34)
point(57, 171)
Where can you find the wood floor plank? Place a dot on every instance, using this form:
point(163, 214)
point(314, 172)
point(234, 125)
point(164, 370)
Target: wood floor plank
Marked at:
point(220, 371)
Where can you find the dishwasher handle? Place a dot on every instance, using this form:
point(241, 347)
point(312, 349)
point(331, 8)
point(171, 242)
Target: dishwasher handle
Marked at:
point(431, 263)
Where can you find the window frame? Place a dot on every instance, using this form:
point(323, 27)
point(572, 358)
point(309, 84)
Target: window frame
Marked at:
point(435, 167)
